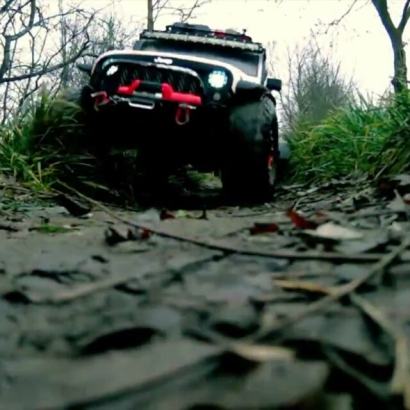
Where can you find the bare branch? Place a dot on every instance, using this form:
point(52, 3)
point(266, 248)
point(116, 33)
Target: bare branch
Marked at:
point(339, 20)
point(47, 70)
point(164, 7)
point(30, 24)
point(383, 12)
point(395, 34)
point(6, 6)
point(404, 17)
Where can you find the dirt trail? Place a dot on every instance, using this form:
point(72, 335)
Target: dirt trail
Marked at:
point(243, 313)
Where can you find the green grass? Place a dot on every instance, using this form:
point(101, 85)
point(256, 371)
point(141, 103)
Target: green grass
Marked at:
point(363, 139)
point(46, 145)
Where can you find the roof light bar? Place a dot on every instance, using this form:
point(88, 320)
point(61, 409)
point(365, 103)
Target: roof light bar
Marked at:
point(220, 41)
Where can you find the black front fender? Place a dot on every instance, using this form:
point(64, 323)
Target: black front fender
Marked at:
point(247, 90)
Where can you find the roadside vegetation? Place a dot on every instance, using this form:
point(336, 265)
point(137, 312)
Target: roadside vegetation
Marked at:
point(341, 134)
point(333, 130)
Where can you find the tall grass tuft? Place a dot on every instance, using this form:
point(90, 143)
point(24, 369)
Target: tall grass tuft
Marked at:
point(46, 144)
point(362, 139)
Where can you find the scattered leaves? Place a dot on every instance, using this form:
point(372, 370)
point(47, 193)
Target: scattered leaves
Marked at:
point(262, 353)
point(117, 234)
point(332, 231)
point(302, 286)
point(263, 227)
point(299, 221)
point(164, 214)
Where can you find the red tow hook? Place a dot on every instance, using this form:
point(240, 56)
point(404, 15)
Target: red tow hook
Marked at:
point(100, 98)
point(182, 112)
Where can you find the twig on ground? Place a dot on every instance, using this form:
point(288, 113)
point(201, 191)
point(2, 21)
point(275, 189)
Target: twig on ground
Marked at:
point(228, 248)
point(86, 289)
point(308, 287)
point(400, 383)
point(336, 294)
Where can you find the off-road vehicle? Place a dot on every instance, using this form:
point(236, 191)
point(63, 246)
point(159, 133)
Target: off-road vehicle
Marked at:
point(189, 95)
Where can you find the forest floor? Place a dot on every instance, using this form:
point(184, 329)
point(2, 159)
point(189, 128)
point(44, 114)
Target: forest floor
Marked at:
point(302, 303)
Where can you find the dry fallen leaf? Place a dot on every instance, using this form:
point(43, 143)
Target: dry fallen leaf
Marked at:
point(332, 231)
point(262, 227)
point(164, 214)
point(299, 221)
point(119, 233)
point(145, 234)
point(303, 286)
point(262, 353)
point(398, 204)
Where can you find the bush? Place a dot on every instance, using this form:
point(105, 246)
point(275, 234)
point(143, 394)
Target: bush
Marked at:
point(315, 87)
point(49, 145)
point(332, 130)
point(362, 139)
point(46, 144)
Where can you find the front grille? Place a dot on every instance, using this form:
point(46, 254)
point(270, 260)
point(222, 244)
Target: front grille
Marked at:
point(127, 73)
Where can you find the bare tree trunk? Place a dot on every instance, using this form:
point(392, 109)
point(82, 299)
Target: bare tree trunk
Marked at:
point(150, 14)
point(399, 80)
point(395, 34)
point(64, 45)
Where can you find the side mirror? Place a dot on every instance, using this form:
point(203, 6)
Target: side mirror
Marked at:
point(85, 68)
point(274, 84)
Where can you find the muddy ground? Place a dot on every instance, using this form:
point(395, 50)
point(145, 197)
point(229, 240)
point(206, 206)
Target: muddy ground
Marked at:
point(303, 303)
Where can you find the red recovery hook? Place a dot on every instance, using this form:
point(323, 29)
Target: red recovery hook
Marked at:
point(100, 98)
point(184, 113)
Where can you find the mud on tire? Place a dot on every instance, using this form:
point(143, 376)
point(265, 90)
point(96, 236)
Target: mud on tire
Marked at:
point(250, 158)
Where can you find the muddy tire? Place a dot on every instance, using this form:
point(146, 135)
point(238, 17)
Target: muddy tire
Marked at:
point(249, 167)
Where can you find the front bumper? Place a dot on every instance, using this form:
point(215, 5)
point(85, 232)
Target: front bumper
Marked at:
point(144, 95)
point(152, 102)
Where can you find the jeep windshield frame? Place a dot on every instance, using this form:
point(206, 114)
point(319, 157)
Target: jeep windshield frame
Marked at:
point(247, 61)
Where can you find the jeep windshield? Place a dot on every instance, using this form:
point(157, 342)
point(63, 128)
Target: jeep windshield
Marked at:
point(246, 61)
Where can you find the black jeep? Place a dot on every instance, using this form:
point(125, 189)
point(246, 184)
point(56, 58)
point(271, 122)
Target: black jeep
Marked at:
point(189, 95)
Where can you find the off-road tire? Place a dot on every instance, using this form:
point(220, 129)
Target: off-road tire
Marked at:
point(252, 139)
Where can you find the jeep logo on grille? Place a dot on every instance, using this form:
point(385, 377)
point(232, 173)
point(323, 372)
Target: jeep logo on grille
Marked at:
point(160, 60)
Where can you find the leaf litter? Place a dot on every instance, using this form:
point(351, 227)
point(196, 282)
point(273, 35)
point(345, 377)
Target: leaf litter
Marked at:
point(271, 307)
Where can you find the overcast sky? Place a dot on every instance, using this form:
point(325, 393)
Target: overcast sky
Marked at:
point(360, 43)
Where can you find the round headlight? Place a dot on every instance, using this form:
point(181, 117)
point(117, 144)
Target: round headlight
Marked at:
point(217, 79)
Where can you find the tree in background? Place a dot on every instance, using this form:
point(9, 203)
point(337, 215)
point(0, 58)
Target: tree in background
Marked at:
point(108, 31)
point(29, 25)
point(156, 8)
point(314, 86)
point(395, 34)
point(82, 34)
